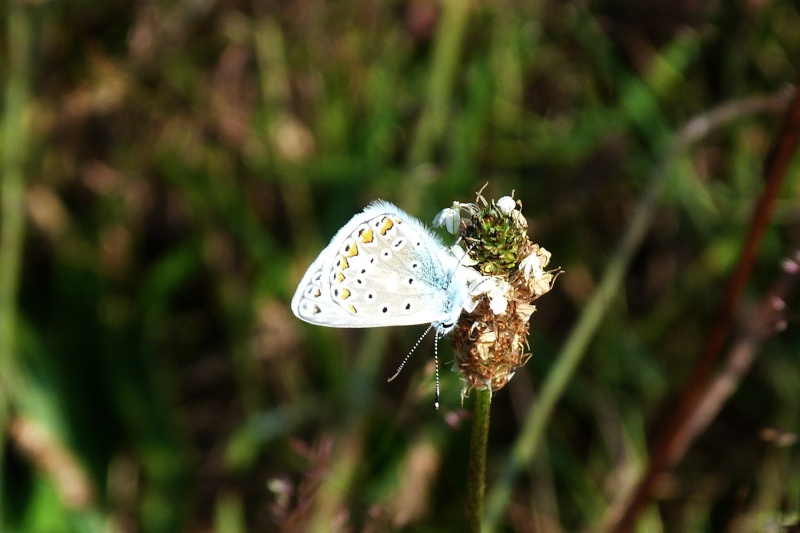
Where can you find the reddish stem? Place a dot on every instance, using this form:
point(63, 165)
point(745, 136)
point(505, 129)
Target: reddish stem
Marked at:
point(668, 448)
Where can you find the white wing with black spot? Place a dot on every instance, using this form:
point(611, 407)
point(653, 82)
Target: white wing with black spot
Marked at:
point(383, 268)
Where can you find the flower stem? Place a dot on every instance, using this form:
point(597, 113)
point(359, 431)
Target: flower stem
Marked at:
point(476, 478)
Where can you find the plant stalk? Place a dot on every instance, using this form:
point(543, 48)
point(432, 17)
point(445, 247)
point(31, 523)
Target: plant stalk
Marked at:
point(476, 477)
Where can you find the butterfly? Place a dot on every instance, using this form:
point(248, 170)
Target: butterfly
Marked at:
point(384, 268)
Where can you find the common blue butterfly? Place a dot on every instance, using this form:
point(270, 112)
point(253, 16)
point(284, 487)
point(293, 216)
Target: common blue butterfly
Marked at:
point(383, 268)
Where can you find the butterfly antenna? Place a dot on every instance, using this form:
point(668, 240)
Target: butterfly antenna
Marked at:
point(466, 253)
point(405, 360)
point(436, 366)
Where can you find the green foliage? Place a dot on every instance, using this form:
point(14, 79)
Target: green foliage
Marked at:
point(180, 164)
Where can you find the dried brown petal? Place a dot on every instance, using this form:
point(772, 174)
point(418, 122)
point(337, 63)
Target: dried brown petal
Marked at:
point(491, 341)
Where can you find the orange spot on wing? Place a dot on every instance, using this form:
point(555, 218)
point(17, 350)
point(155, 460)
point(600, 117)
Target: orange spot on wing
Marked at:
point(386, 224)
point(366, 235)
point(350, 249)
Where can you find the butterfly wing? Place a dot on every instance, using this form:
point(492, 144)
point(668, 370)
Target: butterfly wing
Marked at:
point(383, 268)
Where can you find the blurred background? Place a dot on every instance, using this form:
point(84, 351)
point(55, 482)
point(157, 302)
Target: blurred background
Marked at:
point(170, 169)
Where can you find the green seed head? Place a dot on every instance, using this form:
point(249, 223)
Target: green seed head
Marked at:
point(491, 341)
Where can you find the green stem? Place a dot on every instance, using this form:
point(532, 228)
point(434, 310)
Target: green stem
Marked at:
point(476, 478)
point(12, 206)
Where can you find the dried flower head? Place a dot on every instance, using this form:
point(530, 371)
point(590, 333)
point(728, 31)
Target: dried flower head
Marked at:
point(490, 339)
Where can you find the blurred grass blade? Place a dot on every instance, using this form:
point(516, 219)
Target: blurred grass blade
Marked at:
point(432, 122)
point(12, 208)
